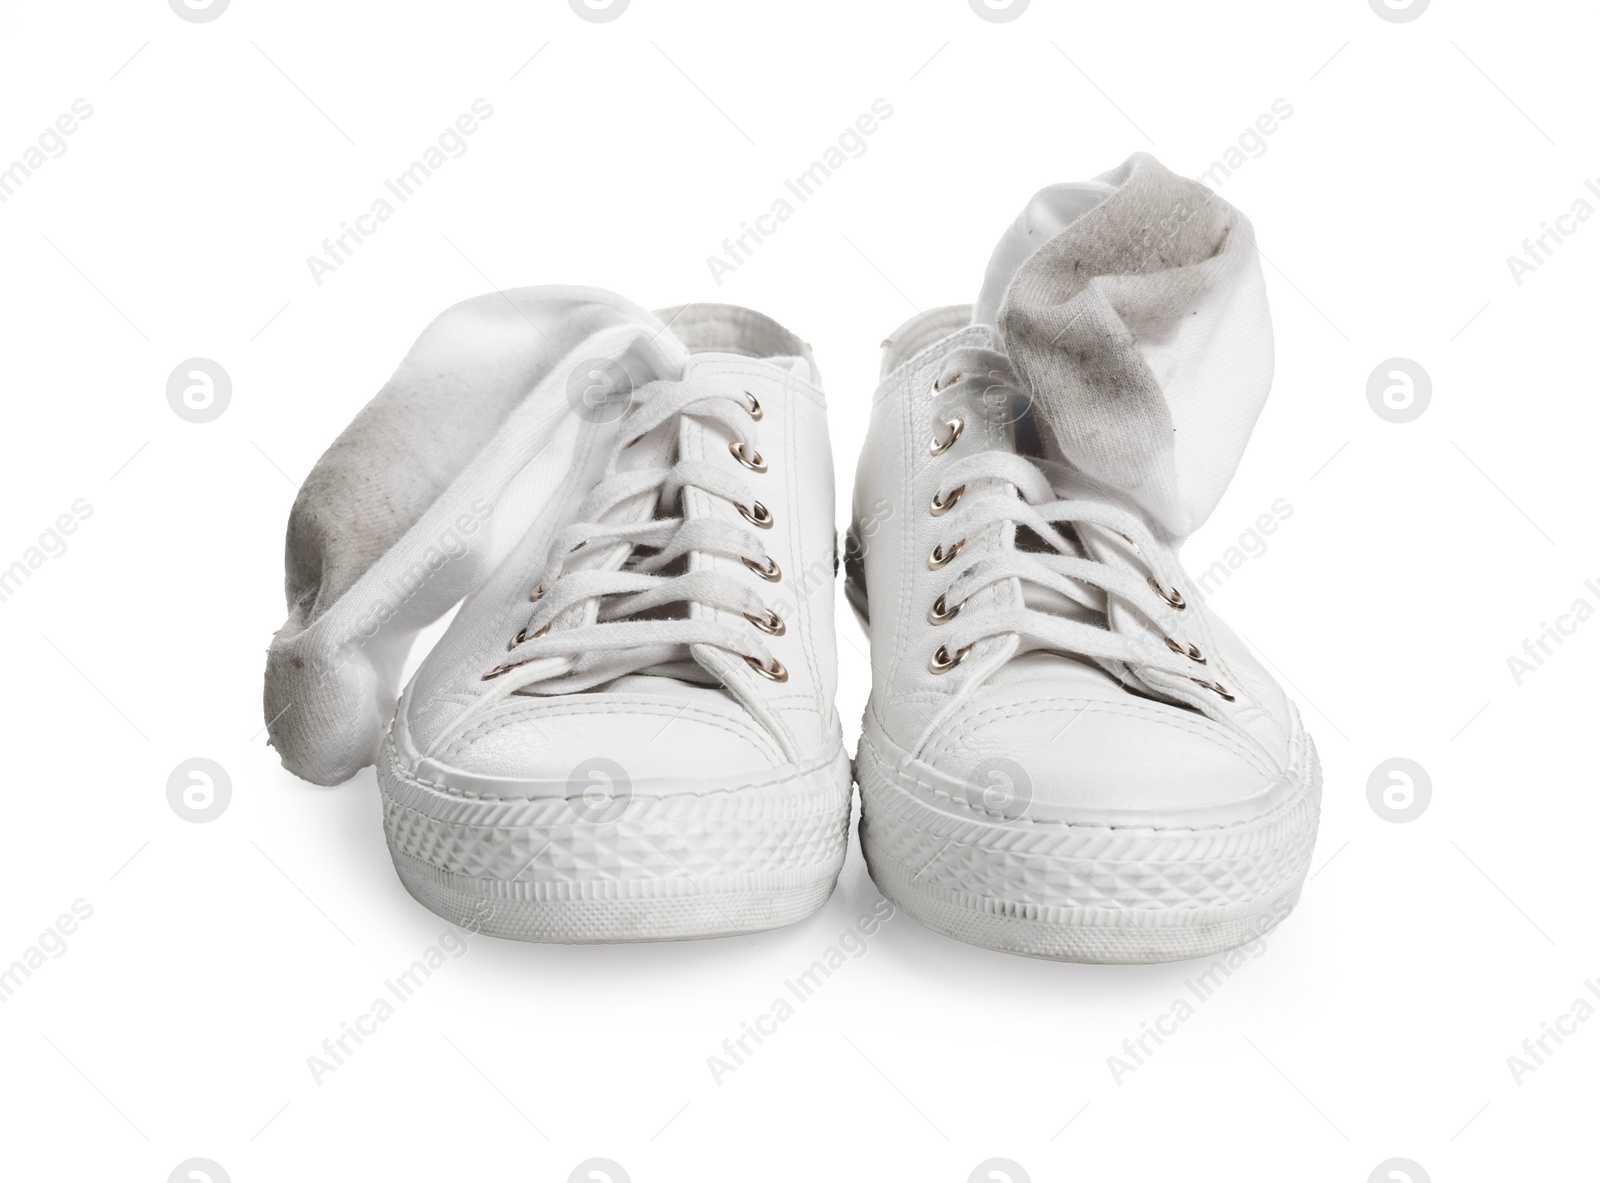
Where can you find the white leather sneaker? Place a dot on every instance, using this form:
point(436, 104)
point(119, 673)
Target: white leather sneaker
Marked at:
point(628, 731)
point(1066, 754)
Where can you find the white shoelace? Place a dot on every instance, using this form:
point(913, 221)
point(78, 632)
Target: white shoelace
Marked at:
point(993, 489)
point(584, 627)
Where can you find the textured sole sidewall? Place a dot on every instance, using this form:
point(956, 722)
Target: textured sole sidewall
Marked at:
point(686, 868)
point(609, 913)
point(1088, 893)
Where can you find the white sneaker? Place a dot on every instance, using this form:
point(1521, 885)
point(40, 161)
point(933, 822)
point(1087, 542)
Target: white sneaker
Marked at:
point(628, 731)
point(1066, 754)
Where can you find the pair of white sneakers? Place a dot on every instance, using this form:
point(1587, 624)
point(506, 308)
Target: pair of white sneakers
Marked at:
point(628, 730)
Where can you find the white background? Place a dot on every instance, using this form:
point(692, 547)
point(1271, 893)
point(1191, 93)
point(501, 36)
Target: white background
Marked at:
point(1418, 557)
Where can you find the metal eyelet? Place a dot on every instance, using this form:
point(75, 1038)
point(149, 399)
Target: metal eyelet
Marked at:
point(756, 514)
point(1174, 597)
point(633, 441)
point(770, 572)
point(940, 508)
point(1216, 688)
point(501, 669)
point(939, 614)
point(580, 546)
point(748, 457)
point(941, 661)
point(939, 386)
point(771, 624)
point(940, 447)
point(523, 635)
point(941, 557)
point(1130, 542)
point(755, 406)
point(536, 595)
point(1192, 652)
point(773, 673)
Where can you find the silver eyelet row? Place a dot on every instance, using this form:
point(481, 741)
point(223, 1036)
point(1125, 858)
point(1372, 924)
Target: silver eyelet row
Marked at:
point(760, 516)
point(942, 661)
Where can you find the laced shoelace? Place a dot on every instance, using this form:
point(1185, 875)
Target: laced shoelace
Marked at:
point(992, 489)
point(590, 620)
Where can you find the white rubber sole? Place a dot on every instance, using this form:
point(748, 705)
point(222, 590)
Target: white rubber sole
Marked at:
point(1093, 893)
point(677, 864)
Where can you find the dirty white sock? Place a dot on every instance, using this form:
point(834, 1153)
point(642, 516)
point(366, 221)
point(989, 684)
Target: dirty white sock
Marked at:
point(427, 490)
point(1133, 308)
